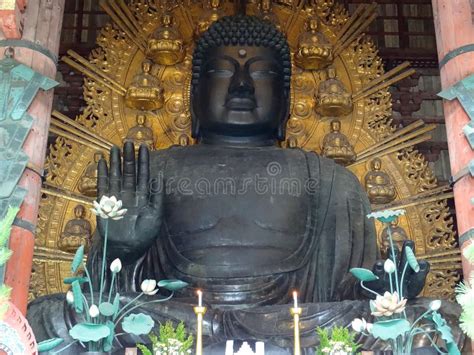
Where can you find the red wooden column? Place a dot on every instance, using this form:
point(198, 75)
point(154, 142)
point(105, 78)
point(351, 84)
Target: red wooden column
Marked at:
point(37, 48)
point(455, 29)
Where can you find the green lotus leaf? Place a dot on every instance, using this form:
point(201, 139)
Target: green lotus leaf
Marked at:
point(444, 329)
point(172, 285)
point(107, 309)
point(138, 324)
point(47, 345)
point(70, 280)
point(78, 257)
point(77, 293)
point(89, 332)
point(411, 258)
point(107, 346)
point(363, 274)
point(390, 329)
point(116, 304)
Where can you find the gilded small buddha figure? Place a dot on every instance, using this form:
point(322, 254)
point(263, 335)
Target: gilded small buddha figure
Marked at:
point(378, 184)
point(398, 236)
point(166, 46)
point(88, 181)
point(332, 99)
point(145, 93)
point(183, 140)
point(210, 15)
point(267, 14)
point(314, 51)
point(336, 146)
point(77, 232)
point(140, 133)
point(292, 142)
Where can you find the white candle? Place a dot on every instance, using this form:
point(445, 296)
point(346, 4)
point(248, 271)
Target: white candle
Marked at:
point(199, 292)
point(295, 299)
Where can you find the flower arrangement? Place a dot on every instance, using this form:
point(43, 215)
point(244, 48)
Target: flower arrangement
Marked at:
point(173, 341)
point(104, 313)
point(339, 342)
point(465, 297)
point(391, 323)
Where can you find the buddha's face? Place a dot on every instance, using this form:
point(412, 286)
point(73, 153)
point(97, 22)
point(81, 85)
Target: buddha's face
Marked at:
point(336, 126)
point(376, 164)
point(141, 120)
point(240, 92)
point(146, 66)
point(79, 211)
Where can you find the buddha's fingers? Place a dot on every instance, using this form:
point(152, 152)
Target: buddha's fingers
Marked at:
point(143, 169)
point(102, 179)
point(417, 280)
point(115, 176)
point(129, 177)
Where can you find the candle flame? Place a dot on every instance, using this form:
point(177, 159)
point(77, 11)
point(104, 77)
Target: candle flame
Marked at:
point(199, 292)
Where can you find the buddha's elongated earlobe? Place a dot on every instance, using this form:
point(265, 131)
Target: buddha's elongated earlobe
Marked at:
point(194, 117)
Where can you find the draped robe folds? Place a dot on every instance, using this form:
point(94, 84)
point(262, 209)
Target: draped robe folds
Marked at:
point(338, 237)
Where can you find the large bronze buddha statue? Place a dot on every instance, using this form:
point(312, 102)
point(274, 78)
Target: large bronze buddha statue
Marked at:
point(221, 215)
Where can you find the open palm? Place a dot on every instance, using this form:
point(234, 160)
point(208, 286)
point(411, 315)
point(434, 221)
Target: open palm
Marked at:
point(131, 236)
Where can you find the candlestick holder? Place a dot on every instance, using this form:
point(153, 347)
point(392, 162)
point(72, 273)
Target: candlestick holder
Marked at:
point(296, 312)
point(199, 311)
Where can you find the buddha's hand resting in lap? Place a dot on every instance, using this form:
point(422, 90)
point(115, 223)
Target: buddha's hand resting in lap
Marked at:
point(413, 282)
point(130, 237)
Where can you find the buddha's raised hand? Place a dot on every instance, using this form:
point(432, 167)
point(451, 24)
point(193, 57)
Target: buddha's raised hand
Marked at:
point(413, 282)
point(131, 236)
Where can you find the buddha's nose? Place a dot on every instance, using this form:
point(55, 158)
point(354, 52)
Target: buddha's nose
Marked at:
point(242, 84)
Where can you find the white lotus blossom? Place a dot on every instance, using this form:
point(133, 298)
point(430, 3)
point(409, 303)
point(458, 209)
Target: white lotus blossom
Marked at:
point(109, 207)
point(94, 311)
point(149, 287)
point(389, 266)
point(359, 325)
point(435, 305)
point(69, 297)
point(388, 304)
point(116, 266)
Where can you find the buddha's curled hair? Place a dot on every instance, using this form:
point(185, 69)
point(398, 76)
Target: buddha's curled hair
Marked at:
point(245, 31)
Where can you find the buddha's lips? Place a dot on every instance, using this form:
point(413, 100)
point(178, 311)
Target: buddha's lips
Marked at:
point(241, 104)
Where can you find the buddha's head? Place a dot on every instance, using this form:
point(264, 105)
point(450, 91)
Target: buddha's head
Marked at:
point(335, 125)
point(79, 211)
point(376, 164)
point(141, 119)
point(394, 222)
point(146, 66)
point(98, 156)
point(331, 73)
point(312, 24)
point(241, 80)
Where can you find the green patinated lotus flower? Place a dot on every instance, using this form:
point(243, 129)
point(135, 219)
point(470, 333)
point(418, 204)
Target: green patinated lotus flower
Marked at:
point(386, 216)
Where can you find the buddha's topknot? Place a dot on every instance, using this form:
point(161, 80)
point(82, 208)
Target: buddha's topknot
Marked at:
point(245, 31)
